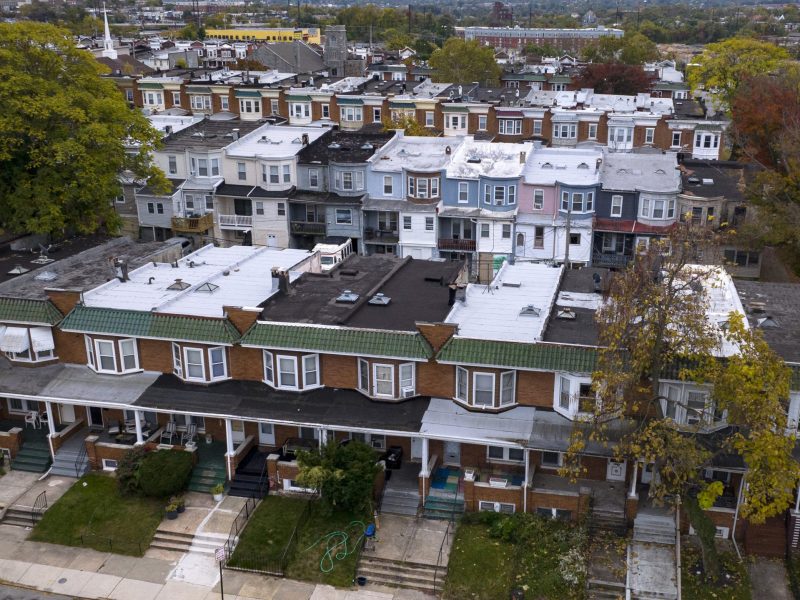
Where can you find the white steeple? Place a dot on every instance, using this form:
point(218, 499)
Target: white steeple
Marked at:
point(108, 43)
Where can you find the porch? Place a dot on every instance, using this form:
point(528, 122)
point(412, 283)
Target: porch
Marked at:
point(198, 224)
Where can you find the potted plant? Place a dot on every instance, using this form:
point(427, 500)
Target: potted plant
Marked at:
point(217, 491)
point(179, 503)
point(172, 511)
point(209, 438)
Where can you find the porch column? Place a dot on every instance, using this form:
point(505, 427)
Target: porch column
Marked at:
point(527, 480)
point(633, 479)
point(51, 423)
point(228, 447)
point(138, 423)
point(797, 501)
point(424, 472)
point(323, 437)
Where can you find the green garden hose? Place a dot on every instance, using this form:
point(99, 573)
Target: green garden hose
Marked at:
point(337, 545)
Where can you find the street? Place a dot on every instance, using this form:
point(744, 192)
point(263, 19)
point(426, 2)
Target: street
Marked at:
point(11, 593)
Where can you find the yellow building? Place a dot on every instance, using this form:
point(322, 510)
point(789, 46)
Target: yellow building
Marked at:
point(312, 35)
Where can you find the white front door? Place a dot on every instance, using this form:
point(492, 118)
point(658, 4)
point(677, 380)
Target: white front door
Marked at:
point(266, 434)
point(452, 453)
point(647, 473)
point(238, 431)
point(95, 414)
point(67, 413)
point(416, 448)
point(615, 470)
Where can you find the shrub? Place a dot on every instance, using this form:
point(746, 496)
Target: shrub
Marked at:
point(128, 472)
point(164, 473)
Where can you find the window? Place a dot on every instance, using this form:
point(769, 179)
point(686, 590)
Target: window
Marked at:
point(363, 375)
point(696, 407)
point(538, 237)
point(300, 109)
point(287, 372)
point(109, 464)
point(224, 103)
point(151, 208)
point(216, 360)
point(242, 170)
point(281, 209)
point(620, 135)
point(565, 130)
point(383, 379)
point(494, 453)
point(657, 208)
point(106, 359)
point(177, 363)
point(407, 223)
point(484, 230)
point(565, 201)
point(507, 388)
point(313, 178)
point(481, 122)
point(209, 203)
point(616, 205)
point(649, 135)
point(388, 185)
point(510, 126)
point(483, 389)
point(555, 513)
point(249, 106)
point(273, 107)
point(512, 195)
point(311, 370)
point(428, 223)
point(344, 216)
point(173, 164)
point(577, 202)
point(538, 199)
point(429, 118)
point(506, 231)
point(463, 191)
point(127, 351)
point(259, 208)
point(193, 359)
point(200, 102)
point(202, 167)
point(592, 131)
point(498, 507)
point(351, 114)
point(406, 372)
point(326, 111)
point(422, 188)
point(676, 139)
point(376, 115)
point(537, 127)
point(462, 379)
point(287, 174)
point(552, 460)
point(499, 195)
point(189, 202)
point(574, 239)
point(269, 368)
point(455, 121)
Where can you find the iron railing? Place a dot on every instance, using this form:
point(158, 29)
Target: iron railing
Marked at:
point(79, 460)
point(441, 554)
point(39, 506)
point(457, 245)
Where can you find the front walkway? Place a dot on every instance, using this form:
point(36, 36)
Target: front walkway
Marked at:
point(768, 578)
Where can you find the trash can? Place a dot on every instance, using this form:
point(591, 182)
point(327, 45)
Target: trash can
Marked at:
point(361, 580)
point(517, 594)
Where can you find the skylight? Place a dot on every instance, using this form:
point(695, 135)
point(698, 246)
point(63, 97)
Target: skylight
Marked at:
point(208, 288)
point(347, 297)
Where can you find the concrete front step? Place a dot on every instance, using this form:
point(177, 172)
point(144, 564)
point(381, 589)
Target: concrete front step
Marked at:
point(20, 517)
point(389, 507)
point(186, 542)
point(414, 576)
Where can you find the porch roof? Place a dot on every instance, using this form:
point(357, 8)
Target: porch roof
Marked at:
point(84, 386)
point(26, 382)
point(446, 419)
point(628, 226)
point(334, 408)
point(551, 431)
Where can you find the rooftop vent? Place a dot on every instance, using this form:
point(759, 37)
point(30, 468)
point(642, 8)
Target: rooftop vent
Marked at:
point(708, 181)
point(263, 140)
point(693, 179)
point(46, 276)
point(758, 307)
point(583, 165)
point(547, 165)
point(347, 297)
point(567, 314)
point(474, 160)
point(348, 272)
point(767, 323)
point(18, 270)
point(512, 284)
point(380, 300)
point(208, 288)
point(367, 146)
point(179, 285)
point(530, 311)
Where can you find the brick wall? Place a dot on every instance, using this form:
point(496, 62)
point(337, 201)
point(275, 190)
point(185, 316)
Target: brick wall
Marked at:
point(246, 363)
point(241, 318)
point(437, 333)
point(64, 300)
point(11, 440)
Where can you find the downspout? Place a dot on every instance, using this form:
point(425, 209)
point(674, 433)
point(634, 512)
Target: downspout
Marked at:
point(736, 518)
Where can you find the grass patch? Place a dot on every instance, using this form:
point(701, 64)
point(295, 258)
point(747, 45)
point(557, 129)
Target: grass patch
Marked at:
point(263, 541)
point(736, 587)
point(94, 515)
point(493, 554)
point(307, 562)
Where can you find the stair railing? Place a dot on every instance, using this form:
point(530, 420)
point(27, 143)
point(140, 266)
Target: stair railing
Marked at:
point(441, 554)
point(262, 481)
point(79, 460)
point(39, 506)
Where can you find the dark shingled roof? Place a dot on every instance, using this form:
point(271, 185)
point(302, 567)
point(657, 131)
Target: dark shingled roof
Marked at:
point(354, 147)
point(583, 329)
point(254, 400)
point(208, 133)
point(728, 179)
point(781, 303)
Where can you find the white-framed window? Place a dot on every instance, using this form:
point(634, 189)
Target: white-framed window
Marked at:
point(649, 135)
point(510, 126)
point(552, 460)
point(128, 355)
point(406, 376)
point(173, 164)
point(313, 178)
point(249, 106)
point(538, 237)
point(287, 174)
point(506, 231)
point(537, 127)
point(407, 223)
point(388, 185)
point(620, 135)
point(344, 216)
point(269, 368)
point(17, 406)
point(538, 199)
point(428, 223)
point(383, 380)
point(300, 109)
point(241, 169)
point(109, 464)
point(508, 383)
point(176, 98)
point(676, 139)
point(690, 405)
point(194, 368)
point(429, 118)
point(177, 360)
point(706, 140)
point(363, 375)
point(311, 371)
point(259, 207)
point(512, 195)
point(485, 230)
point(499, 507)
point(592, 131)
point(423, 187)
point(482, 122)
point(351, 113)
point(554, 513)
point(376, 114)
point(463, 192)
point(501, 454)
point(499, 195)
point(200, 102)
point(106, 356)
point(657, 208)
point(224, 103)
point(202, 167)
point(326, 111)
point(574, 395)
point(274, 107)
point(483, 389)
point(565, 130)
point(287, 372)
point(217, 363)
point(616, 205)
point(462, 383)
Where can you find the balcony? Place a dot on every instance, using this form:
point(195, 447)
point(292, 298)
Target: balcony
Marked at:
point(380, 236)
point(308, 228)
point(612, 261)
point(235, 221)
point(457, 245)
point(193, 224)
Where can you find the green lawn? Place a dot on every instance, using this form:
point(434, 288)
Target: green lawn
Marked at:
point(264, 539)
point(737, 588)
point(493, 554)
point(93, 514)
point(308, 561)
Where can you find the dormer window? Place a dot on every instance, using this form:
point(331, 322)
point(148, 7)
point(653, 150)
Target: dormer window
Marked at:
point(485, 389)
point(574, 396)
point(423, 187)
point(113, 356)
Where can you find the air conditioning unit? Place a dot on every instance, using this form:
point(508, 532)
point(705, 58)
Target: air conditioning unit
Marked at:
point(407, 392)
point(498, 482)
point(378, 443)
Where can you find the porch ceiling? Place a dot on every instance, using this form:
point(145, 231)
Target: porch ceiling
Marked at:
point(254, 400)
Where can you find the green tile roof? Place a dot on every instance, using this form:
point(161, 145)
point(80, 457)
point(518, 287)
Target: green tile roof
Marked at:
point(21, 310)
point(87, 319)
point(367, 342)
point(516, 355)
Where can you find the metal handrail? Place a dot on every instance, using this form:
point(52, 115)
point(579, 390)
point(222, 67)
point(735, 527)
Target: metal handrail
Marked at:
point(262, 479)
point(79, 459)
point(39, 506)
point(238, 525)
point(441, 553)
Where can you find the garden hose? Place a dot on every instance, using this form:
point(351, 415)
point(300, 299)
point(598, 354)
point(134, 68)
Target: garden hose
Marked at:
point(336, 546)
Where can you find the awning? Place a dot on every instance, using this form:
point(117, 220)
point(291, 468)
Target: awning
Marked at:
point(42, 338)
point(446, 419)
point(198, 89)
point(15, 339)
point(247, 94)
point(341, 100)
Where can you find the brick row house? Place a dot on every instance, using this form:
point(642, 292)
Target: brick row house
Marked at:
point(227, 350)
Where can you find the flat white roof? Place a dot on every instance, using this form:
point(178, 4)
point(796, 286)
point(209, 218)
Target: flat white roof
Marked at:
point(415, 153)
point(570, 166)
point(274, 141)
point(723, 299)
point(177, 123)
point(444, 418)
point(489, 159)
point(513, 308)
point(235, 276)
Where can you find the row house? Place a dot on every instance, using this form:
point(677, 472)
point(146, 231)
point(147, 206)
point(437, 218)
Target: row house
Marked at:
point(482, 383)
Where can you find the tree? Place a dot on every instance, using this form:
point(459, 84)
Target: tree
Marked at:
point(538, 51)
point(614, 78)
point(409, 125)
point(464, 61)
point(66, 134)
point(630, 49)
point(654, 326)
point(724, 65)
point(343, 475)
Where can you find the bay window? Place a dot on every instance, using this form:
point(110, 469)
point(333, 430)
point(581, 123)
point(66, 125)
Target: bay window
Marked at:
point(462, 379)
point(287, 372)
point(690, 405)
point(423, 187)
point(510, 126)
point(565, 130)
point(363, 375)
point(483, 389)
point(189, 363)
point(657, 208)
point(101, 355)
point(383, 380)
point(574, 396)
point(507, 387)
point(269, 368)
point(311, 370)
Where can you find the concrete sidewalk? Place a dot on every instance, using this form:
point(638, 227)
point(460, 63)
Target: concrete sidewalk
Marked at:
point(88, 574)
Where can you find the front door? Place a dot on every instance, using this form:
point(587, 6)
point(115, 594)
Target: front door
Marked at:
point(416, 448)
point(238, 431)
point(95, 414)
point(615, 470)
point(647, 473)
point(452, 453)
point(67, 413)
point(266, 434)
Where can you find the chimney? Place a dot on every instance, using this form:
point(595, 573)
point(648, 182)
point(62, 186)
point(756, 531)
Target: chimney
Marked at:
point(451, 295)
point(522, 157)
point(235, 134)
point(121, 269)
point(304, 139)
point(283, 280)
